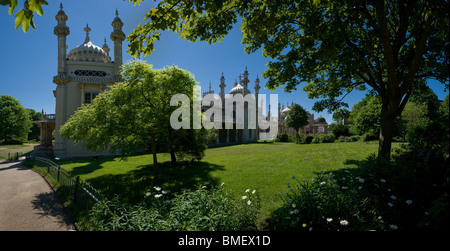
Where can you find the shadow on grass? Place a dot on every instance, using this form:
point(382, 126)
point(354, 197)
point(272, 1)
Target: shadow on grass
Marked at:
point(133, 185)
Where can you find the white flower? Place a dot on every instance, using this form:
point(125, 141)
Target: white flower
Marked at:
point(147, 194)
point(157, 188)
point(164, 192)
point(383, 180)
point(249, 202)
point(322, 183)
point(408, 202)
point(222, 184)
point(244, 197)
point(393, 197)
point(158, 195)
point(343, 222)
point(329, 219)
point(361, 180)
point(304, 225)
point(390, 204)
point(293, 205)
point(203, 187)
point(254, 191)
point(248, 190)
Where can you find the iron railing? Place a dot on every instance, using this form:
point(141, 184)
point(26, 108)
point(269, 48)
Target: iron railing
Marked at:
point(72, 187)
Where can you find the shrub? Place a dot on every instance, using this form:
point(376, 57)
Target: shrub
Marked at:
point(282, 138)
point(400, 194)
point(323, 138)
point(323, 205)
point(354, 138)
point(200, 209)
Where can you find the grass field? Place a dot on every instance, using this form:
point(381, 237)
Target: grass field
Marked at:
point(13, 149)
point(266, 167)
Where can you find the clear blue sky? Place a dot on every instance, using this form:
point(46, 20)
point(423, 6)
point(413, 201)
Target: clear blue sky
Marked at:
point(29, 61)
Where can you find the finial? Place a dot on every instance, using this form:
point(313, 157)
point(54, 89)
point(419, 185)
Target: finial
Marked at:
point(61, 6)
point(117, 13)
point(87, 30)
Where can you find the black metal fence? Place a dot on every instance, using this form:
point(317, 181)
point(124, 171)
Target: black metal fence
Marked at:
point(71, 187)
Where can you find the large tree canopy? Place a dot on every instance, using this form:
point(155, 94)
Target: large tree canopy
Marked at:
point(136, 114)
point(15, 122)
point(334, 46)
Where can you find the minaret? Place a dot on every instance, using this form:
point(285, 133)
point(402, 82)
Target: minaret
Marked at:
point(117, 36)
point(106, 48)
point(222, 87)
point(61, 30)
point(245, 81)
point(257, 87)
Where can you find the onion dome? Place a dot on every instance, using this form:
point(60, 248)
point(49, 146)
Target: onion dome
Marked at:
point(239, 89)
point(321, 120)
point(88, 51)
point(286, 110)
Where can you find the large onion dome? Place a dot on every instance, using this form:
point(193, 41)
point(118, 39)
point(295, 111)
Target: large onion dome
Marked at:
point(88, 51)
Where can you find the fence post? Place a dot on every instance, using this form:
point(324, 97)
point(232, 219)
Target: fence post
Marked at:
point(48, 167)
point(75, 191)
point(59, 169)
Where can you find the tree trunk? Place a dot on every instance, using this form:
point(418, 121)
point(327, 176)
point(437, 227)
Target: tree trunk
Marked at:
point(173, 158)
point(388, 114)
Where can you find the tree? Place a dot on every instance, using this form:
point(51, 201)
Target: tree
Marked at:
point(35, 131)
point(15, 122)
point(296, 118)
point(25, 15)
point(339, 130)
point(366, 117)
point(136, 114)
point(333, 46)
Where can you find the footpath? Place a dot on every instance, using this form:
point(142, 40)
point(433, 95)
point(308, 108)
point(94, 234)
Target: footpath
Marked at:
point(28, 203)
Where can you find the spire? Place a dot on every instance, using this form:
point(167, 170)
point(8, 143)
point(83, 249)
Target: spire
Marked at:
point(87, 30)
point(106, 48)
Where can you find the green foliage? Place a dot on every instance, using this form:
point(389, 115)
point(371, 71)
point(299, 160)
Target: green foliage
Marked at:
point(136, 114)
point(15, 122)
point(35, 130)
point(339, 130)
point(25, 15)
point(323, 138)
point(297, 117)
point(379, 195)
point(335, 47)
point(198, 209)
point(365, 115)
point(283, 137)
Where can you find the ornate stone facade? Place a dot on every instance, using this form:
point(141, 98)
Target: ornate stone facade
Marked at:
point(82, 73)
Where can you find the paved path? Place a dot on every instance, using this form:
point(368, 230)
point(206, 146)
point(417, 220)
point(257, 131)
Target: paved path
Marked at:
point(28, 203)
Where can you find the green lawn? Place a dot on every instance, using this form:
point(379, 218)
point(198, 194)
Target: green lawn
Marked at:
point(266, 167)
point(13, 149)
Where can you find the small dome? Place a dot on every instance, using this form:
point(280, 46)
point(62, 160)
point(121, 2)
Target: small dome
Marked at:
point(321, 120)
point(285, 110)
point(239, 89)
point(88, 51)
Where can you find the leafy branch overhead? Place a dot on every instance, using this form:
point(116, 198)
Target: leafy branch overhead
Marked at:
point(330, 47)
point(25, 15)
